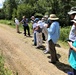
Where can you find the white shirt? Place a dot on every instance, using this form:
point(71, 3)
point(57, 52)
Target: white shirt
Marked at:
point(16, 22)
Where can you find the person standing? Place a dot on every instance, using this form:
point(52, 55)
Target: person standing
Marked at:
point(53, 36)
point(17, 25)
point(25, 26)
point(38, 34)
point(72, 37)
point(32, 19)
point(34, 30)
point(72, 45)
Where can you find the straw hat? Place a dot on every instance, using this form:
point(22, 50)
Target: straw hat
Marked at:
point(74, 20)
point(53, 17)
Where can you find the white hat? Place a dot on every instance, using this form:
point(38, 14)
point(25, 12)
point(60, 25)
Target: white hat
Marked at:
point(53, 17)
point(71, 12)
point(74, 20)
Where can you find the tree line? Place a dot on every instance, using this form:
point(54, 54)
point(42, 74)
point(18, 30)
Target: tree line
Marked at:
point(38, 8)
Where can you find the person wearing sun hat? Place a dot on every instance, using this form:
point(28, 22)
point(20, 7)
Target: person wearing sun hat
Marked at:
point(72, 45)
point(72, 36)
point(53, 36)
point(72, 14)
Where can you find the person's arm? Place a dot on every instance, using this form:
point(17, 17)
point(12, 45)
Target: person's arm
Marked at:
point(52, 29)
point(71, 46)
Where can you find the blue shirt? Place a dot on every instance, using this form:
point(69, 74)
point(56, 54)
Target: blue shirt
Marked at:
point(54, 32)
point(72, 35)
point(25, 22)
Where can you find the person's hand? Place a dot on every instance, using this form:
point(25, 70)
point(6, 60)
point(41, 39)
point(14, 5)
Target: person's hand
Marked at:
point(46, 25)
point(70, 44)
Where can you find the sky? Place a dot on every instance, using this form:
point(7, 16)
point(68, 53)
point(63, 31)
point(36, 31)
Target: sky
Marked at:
point(1, 3)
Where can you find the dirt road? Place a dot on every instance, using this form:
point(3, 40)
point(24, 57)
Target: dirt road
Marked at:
point(24, 59)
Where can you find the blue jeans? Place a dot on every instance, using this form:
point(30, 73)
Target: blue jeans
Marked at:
point(35, 42)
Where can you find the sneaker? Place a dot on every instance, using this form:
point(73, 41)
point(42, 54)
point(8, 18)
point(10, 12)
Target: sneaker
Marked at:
point(45, 52)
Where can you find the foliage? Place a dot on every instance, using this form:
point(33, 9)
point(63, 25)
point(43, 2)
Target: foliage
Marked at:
point(2, 16)
point(9, 5)
point(18, 8)
point(24, 10)
point(14, 14)
point(64, 33)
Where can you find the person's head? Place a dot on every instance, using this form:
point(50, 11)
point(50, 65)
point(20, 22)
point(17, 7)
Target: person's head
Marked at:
point(72, 12)
point(32, 17)
point(36, 20)
point(45, 17)
point(74, 20)
point(24, 17)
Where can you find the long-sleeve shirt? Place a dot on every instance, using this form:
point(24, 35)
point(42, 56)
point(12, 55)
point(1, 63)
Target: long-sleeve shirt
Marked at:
point(54, 32)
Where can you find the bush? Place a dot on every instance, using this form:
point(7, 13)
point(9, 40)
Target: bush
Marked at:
point(64, 33)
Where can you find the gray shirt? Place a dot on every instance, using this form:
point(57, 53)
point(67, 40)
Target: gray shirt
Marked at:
point(72, 35)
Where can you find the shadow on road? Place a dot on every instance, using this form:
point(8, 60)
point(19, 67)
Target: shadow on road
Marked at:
point(63, 67)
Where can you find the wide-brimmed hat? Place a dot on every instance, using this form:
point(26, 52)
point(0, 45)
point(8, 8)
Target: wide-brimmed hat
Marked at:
point(71, 12)
point(53, 17)
point(74, 20)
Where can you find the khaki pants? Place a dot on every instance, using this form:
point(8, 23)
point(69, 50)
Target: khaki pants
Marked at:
point(44, 30)
point(17, 28)
point(39, 39)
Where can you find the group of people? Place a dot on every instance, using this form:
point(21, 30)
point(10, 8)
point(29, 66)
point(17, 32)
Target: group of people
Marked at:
point(50, 27)
point(24, 21)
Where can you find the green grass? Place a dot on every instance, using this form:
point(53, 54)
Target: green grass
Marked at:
point(3, 70)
